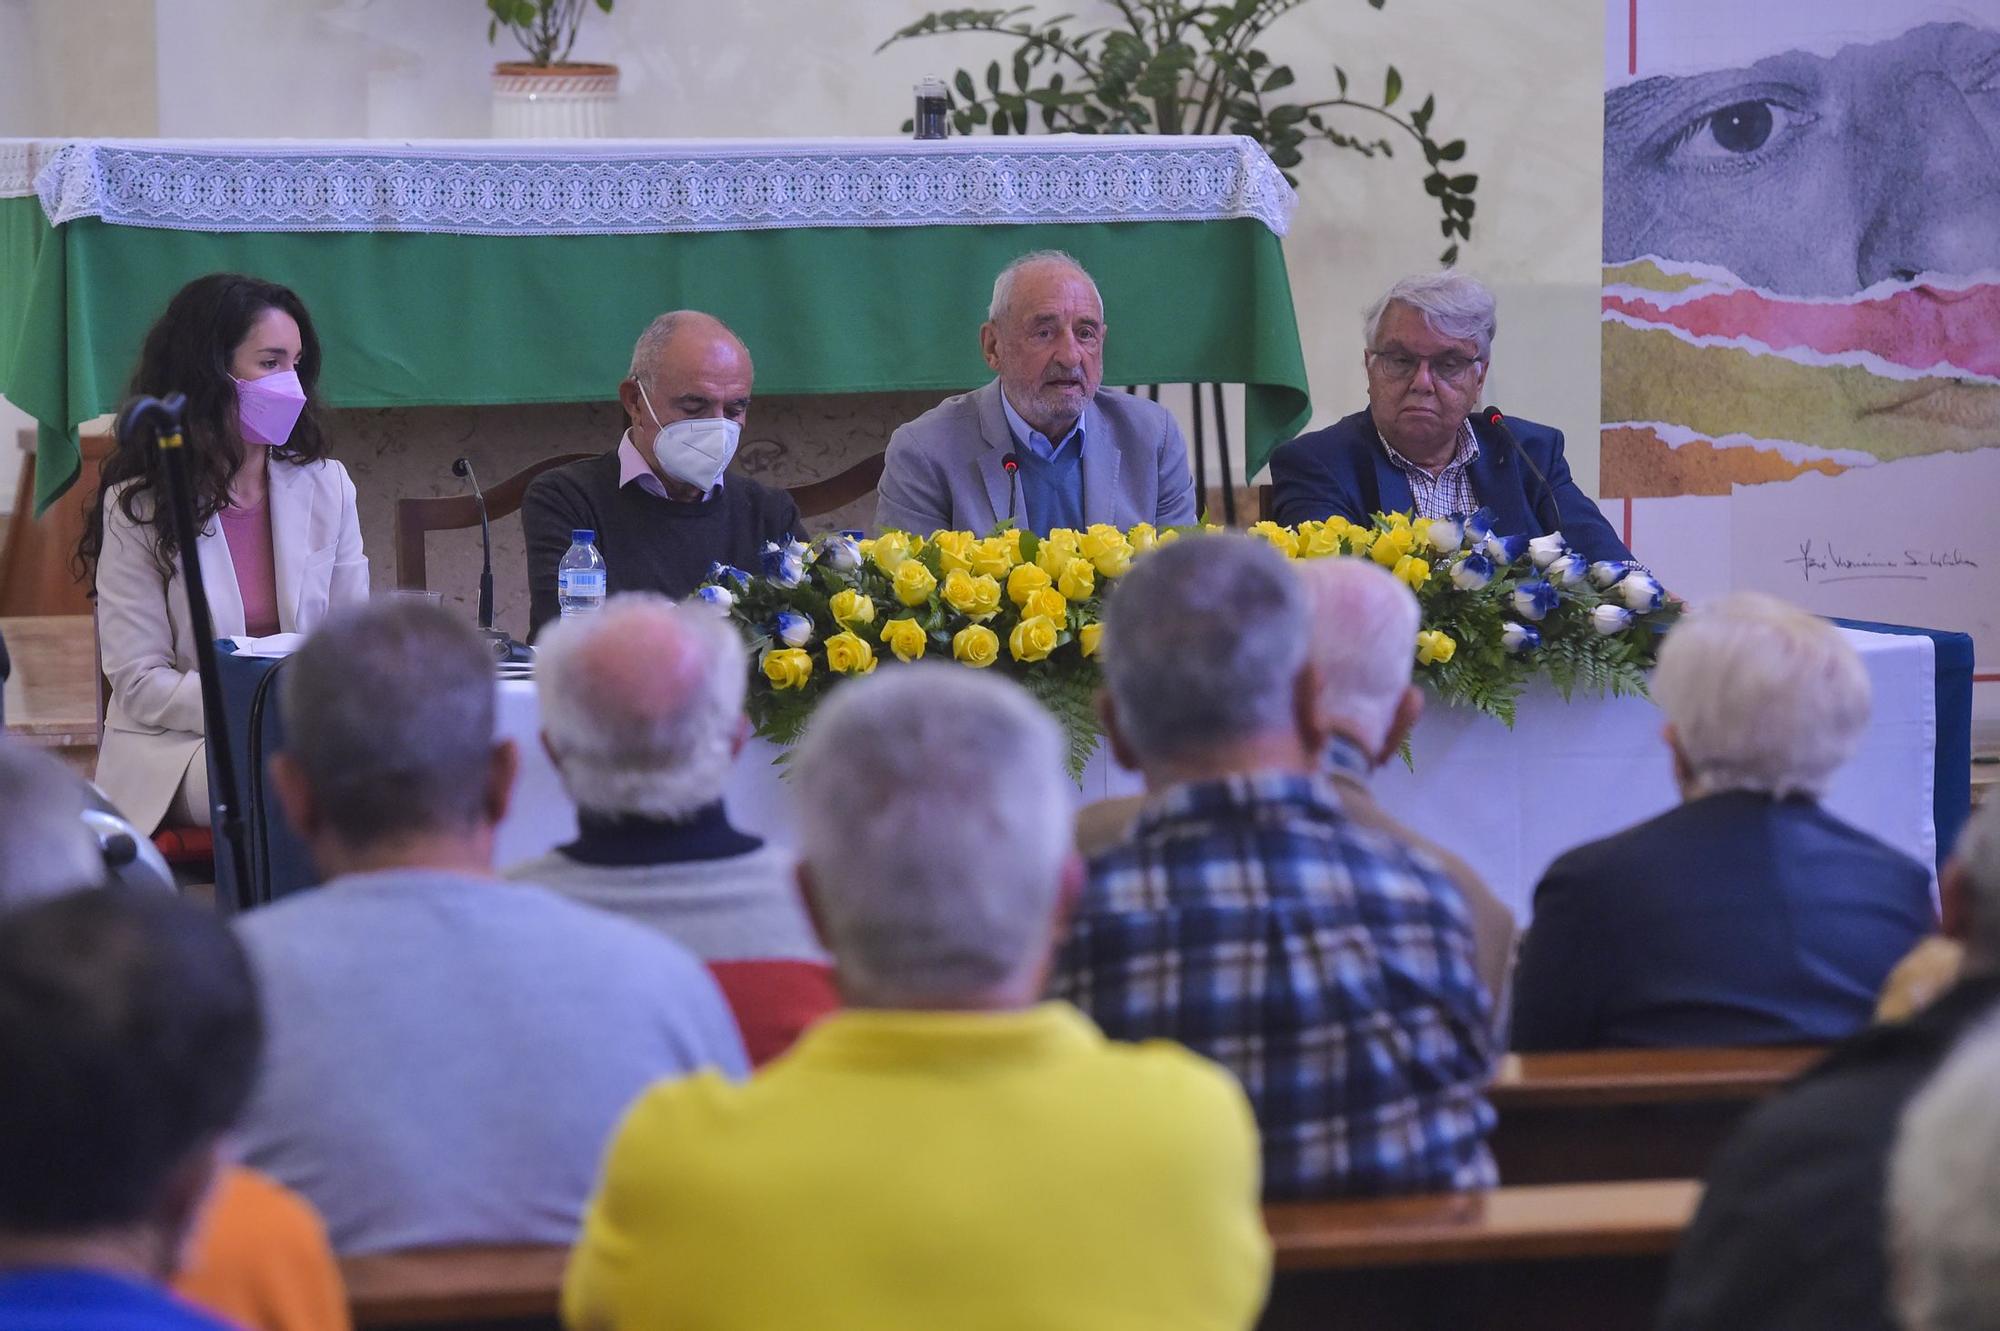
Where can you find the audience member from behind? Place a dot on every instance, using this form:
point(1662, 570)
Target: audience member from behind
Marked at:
point(1327, 965)
point(1789, 1234)
point(944, 1149)
point(663, 505)
point(129, 1035)
point(1944, 1196)
point(447, 1052)
point(642, 714)
point(1747, 914)
point(45, 848)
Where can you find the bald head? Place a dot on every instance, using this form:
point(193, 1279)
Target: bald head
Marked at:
point(689, 366)
point(1362, 635)
point(642, 705)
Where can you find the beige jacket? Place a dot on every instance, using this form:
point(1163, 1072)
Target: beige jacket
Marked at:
point(153, 726)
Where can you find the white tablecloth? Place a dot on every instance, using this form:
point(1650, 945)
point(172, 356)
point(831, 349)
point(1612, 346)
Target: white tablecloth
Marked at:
point(1509, 802)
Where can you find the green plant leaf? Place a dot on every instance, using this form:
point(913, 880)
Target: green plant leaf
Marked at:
point(1393, 87)
point(1281, 77)
point(963, 82)
point(993, 77)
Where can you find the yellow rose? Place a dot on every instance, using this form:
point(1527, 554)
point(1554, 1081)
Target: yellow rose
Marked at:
point(1089, 636)
point(1284, 541)
point(849, 655)
point(1025, 581)
point(1167, 537)
point(1110, 555)
point(1358, 539)
point(973, 597)
point(1211, 528)
point(1057, 549)
point(1049, 603)
point(1338, 525)
point(1142, 538)
point(913, 583)
point(788, 668)
point(1421, 530)
point(954, 549)
point(975, 645)
point(994, 556)
point(1012, 538)
point(889, 550)
point(1033, 639)
point(1397, 521)
point(1412, 571)
point(905, 637)
point(851, 609)
point(1077, 580)
point(1391, 546)
point(1318, 539)
point(1435, 647)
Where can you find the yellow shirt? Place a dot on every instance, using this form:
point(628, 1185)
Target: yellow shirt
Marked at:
point(931, 1170)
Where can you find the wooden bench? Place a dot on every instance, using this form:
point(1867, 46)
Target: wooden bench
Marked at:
point(1629, 1113)
point(1405, 1262)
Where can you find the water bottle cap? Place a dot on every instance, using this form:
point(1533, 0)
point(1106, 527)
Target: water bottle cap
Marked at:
point(583, 536)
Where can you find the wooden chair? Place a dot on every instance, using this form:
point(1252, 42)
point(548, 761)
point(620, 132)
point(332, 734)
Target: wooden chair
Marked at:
point(415, 517)
point(1592, 1255)
point(1629, 1113)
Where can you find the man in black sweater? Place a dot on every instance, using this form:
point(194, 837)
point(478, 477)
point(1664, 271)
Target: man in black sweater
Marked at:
point(660, 504)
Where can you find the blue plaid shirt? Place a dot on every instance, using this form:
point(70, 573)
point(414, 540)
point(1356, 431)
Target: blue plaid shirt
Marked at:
point(1326, 966)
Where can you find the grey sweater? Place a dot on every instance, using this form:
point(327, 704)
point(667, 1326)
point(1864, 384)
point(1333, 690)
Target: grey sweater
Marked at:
point(446, 1056)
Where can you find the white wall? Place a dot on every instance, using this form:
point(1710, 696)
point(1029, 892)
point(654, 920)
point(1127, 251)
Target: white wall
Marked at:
point(1520, 82)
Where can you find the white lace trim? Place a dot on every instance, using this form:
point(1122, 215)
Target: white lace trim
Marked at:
point(611, 187)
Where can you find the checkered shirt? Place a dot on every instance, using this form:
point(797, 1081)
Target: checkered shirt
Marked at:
point(1450, 491)
point(1328, 967)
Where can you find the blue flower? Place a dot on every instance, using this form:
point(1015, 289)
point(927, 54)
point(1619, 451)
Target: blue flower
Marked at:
point(1567, 570)
point(792, 628)
point(1534, 599)
point(785, 565)
point(719, 597)
point(1504, 550)
point(1640, 591)
point(1610, 619)
point(839, 550)
point(1472, 572)
point(1605, 573)
point(720, 572)
point(1479, 525)
point(1520, 638)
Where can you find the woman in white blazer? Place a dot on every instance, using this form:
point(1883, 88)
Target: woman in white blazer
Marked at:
point(279, 545)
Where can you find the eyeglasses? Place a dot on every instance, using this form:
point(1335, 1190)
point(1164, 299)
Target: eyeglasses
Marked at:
point(1401, 366)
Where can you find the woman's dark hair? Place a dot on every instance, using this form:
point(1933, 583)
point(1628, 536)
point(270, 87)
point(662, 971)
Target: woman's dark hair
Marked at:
point(188, 351)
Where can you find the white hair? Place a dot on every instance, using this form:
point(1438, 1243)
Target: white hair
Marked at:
point(45, 847)
point(1361, 638)
point(1762, 696)
point(934, 817)
point(652, 343)
point(1003, 285)
point(1453, 304)
point(642, 703)
point(1203, 643)
point(1944, 1195)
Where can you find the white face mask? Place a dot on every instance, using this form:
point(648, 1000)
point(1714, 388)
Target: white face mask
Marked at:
point(694, 451)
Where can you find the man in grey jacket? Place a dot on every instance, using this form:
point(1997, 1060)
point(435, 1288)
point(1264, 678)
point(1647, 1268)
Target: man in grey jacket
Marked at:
point(446, 1054)
point(1043, 445)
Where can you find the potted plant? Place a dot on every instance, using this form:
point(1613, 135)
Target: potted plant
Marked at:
point(547, 96)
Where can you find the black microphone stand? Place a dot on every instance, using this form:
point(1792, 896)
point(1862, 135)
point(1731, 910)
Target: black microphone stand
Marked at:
point(503, 646)
point(161, 418)
point(1012, 465)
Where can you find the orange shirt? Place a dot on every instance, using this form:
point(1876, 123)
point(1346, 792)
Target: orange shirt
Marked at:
point(262, 1260)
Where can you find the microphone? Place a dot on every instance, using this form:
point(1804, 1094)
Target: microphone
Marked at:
point(504, 647)
point(1495, 421)
point(1012, 464)
point(463, 467)
point(143, 417)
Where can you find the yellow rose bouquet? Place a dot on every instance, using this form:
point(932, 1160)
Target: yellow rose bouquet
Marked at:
point(1496, 611)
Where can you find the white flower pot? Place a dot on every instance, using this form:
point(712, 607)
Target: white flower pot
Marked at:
point(554, 101)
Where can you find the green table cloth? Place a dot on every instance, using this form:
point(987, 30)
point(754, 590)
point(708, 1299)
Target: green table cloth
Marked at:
point(491, 273)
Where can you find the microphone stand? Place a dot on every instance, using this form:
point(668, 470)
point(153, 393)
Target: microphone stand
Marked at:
point(504, 647)
point(1012, 465)
point(161, 417)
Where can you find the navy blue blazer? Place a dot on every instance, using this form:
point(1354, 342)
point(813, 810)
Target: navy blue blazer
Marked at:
point(1735, 919)
point(1344, 469)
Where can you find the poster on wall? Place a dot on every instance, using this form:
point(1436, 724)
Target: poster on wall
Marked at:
point(1801, 301)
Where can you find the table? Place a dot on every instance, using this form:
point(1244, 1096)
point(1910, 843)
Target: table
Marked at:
point(1509, 802)
point(847, 265)
point(51, 695)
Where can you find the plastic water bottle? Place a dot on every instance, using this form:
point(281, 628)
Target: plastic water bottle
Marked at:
point(580, 577)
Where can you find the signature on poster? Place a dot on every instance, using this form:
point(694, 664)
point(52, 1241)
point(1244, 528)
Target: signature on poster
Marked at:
point(1826, 562)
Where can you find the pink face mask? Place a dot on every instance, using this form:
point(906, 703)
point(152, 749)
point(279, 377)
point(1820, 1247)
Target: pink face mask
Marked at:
point(268, 408)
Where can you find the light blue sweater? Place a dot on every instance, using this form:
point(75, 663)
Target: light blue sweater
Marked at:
point(446, 1056)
